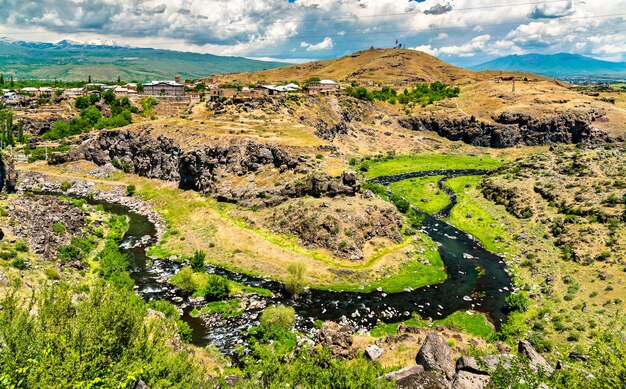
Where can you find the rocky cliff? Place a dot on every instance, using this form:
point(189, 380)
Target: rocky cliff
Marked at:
point(511, 128)
point(227, 170)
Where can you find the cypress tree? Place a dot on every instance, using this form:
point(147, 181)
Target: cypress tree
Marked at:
point(1, 79)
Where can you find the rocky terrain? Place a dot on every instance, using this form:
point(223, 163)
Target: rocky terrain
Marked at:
point(340, 227)
point(46, 223)
point(580, 193)
point(437, 365)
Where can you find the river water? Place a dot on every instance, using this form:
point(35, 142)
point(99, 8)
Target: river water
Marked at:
point(477, 281)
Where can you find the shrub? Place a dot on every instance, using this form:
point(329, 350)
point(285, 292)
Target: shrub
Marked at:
point(58, 228)
point(184, 281)
point(217, 288)
point(52, 273)
point(278, 317)
point(19, 263)
point(518, 302)
point(65, 185)
point(21, 247)
point(130, 190)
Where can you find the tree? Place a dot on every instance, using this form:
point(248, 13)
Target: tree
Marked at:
point(108, 97)
point(89, 79)
point(119, 80)
point(295, 279)
point(91, 114)
point(197, 261)
point(130, 190)
point(12, 83)
point(1, 79)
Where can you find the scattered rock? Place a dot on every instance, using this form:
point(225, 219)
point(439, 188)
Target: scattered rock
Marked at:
point(141, 385)
point(374, 352)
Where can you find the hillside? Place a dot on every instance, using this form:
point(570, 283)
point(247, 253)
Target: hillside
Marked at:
point(562, 64)
point(390, 66)
point(70, 61)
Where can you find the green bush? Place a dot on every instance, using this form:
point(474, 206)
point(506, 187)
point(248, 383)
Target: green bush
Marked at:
point(295, 280)
point(278, 317)
point(184, 281)
point(130, 190)
point(58, 228)
point(52, 273)
point(217, 288)
point(19, 263)
point(102, 339)
point(518, 302)
point(21, 247)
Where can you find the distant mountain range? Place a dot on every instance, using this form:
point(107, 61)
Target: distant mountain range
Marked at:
point(105, 60)
point(555, 65)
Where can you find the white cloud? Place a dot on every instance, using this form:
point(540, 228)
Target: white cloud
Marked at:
point(326, 44)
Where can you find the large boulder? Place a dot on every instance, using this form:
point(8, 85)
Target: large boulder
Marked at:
point(536, 361)
point(436, 355)
point(414, 377)
point(374, 352)
point(468, 380)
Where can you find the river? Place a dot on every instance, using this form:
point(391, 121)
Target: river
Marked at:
point(477, 281)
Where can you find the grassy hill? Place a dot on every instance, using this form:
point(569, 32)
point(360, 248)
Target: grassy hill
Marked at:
point(74, 61)
point(562, 64)
point(388, 66)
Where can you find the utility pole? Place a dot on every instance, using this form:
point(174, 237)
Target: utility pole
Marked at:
point(513, 90)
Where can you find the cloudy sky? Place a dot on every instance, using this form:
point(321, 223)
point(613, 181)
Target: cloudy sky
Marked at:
point(464, 32)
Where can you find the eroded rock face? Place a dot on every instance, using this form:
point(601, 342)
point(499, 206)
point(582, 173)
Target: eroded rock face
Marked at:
point(216, 168)
point(436, 355)
point(512, 129)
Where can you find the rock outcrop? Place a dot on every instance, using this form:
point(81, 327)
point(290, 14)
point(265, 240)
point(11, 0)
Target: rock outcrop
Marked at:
point(344, 229)
point(214, 167)
point(337, 338)
point(512, 129)
point(8, 174)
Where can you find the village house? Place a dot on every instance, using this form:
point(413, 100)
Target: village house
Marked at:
point(73, 92)
point(322, 87)
point(164, 88)
point(123, 91)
